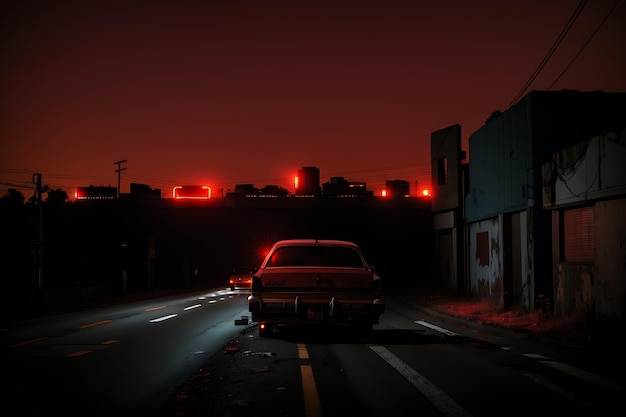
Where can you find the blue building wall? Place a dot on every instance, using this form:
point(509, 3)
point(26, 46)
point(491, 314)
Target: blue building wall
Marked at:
point(505, 173)
point(506, 154)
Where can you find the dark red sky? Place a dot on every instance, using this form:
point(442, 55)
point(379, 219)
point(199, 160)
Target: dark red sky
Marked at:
point(231, 92)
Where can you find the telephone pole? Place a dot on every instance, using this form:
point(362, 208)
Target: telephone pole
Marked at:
point(119, 174)
point(37, 245)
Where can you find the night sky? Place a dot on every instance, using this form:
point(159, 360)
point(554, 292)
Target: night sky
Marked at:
point(231, 92)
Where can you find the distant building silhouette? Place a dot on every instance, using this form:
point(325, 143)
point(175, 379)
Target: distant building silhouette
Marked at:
point(397, 188)
point(96, 193)
point(273, 191)
point(144, 191)
point(307, 182)
point(246, 190)
point(340, 187)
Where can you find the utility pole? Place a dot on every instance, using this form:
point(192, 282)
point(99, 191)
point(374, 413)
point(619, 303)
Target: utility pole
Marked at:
point(37, 245)
point(119, 174)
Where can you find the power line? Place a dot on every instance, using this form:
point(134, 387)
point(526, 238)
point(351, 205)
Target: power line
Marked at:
point(16, 184)
point(554, 47)
point(585, 44)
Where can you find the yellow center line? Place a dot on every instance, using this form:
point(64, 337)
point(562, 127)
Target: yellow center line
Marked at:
point(312, 407)
point(94, 324)
point(78, 353)
point(39, 339)
point(303, 353)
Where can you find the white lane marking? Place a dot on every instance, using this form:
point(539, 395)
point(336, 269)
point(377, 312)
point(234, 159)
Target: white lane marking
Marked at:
point(577, 373)
point(570, 396)
point(163, 318)
point(437, 328)
point(212, 302)
point(535, 356)
point(192, 307)
point(443, 402)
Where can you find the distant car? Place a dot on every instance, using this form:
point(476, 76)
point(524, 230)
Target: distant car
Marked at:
point(241, 278)
point(310, 281)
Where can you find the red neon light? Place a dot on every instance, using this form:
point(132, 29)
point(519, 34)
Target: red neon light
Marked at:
point(198, 192)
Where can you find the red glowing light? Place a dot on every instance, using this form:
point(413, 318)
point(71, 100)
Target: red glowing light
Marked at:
point(198, 192)
point(95, 193)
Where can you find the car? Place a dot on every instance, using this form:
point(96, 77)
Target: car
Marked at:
point(241, 278)
point(313, 281)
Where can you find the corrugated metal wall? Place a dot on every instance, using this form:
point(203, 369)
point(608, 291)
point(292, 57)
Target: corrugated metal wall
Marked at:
point(500, 159)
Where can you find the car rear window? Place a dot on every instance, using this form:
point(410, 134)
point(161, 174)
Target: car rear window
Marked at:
point(316, 256)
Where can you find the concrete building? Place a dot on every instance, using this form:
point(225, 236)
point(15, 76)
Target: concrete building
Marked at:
point(584, 189)
point(494, 235)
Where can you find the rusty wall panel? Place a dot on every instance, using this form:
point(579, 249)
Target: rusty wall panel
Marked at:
point(486, 280)
point(574, 290)
point(610, 265)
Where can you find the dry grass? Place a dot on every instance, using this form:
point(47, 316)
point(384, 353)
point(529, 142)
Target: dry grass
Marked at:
point(484, 312)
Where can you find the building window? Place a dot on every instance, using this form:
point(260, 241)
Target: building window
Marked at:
point(442, 170)
point(482, 248)
point(579, 238)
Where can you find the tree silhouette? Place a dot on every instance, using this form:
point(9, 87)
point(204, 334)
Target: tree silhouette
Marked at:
point(13, 196)
point(57, 197)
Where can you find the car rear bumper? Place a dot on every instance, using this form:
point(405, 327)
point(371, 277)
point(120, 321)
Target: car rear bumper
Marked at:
point(311, 309)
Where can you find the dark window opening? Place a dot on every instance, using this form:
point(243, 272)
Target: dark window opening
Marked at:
point(482, 248)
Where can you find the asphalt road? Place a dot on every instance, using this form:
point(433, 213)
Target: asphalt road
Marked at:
point(117, 360)
point(185, 355)
point(416, 362)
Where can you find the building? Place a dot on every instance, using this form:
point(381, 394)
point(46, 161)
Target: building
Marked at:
point(447, 207)
point(494, 236)
point(96, 193)
point(307, 182)
point(397, 189)
point(144, 191)
point(340, 187)
point(584, 190)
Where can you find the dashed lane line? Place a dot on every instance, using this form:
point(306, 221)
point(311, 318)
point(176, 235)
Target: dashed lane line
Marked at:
point(312, 406)
point(437, 397)
point(437, 328)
